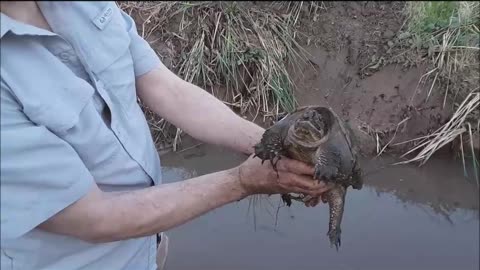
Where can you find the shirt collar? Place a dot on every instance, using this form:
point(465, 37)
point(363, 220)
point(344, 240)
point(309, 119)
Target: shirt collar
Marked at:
point(19, 28)
point(5, 24)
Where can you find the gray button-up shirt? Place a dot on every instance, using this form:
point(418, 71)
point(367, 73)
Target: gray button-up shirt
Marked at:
point(70, 118)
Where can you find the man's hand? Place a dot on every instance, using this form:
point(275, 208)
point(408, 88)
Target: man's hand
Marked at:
point(292, 177)
point(312, 202)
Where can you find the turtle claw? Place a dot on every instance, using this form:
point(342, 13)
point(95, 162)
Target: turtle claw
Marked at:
point(287, 199)
point(274, 164)
point(265, 153)
point(334, 236)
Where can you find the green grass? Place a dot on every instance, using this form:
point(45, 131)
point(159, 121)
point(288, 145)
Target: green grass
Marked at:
point(427, 17)
point(445, 26)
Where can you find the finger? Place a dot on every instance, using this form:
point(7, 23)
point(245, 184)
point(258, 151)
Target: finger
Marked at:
point(319, 192)
point(312, 202)
point(303, 182)
point(308, 202)
point(294, 166)
point(296, 189)
point(324, 199)
point(292, 189)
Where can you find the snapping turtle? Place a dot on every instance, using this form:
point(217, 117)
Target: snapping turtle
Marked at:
point(316, 135)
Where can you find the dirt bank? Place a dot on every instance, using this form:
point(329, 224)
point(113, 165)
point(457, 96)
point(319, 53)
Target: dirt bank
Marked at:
point(380, 104)
point(358, 69)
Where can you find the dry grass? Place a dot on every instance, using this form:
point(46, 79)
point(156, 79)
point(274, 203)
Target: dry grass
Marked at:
point(238, 51)
point(457, 126)
point(450, 31)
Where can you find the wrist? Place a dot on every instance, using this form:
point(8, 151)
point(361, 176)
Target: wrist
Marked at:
point(237, 184)
point(253, 137)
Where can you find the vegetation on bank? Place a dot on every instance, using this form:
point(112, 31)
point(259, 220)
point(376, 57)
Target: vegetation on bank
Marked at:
point(240, 47)
point(450, 31)
point(239, 52)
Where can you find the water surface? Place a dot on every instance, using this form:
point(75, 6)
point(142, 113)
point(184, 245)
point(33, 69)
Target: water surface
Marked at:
point(404, 218)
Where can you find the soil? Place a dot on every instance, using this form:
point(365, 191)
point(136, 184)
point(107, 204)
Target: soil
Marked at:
point(372, 101)
point(360, 67)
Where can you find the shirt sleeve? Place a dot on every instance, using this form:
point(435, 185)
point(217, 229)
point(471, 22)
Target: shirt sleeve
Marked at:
point(144, 57)
point(41, 174)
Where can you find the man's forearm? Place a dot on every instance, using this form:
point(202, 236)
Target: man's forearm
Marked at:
point(119, 216)
point(210, 120)
point(197, 112)
point(152, 210)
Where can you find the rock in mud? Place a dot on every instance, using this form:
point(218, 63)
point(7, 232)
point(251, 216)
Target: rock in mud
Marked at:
point(388, 34)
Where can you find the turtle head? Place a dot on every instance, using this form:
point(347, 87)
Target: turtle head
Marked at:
point(310, 128)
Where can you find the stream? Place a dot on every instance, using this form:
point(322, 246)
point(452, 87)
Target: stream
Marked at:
point(405, 217)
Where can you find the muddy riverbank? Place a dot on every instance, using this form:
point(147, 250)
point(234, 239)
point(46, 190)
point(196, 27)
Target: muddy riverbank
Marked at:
point(360, 60)
point(404, 218)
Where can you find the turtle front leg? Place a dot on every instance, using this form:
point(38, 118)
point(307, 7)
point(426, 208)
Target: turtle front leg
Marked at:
point(326, 165)
point(269, 151)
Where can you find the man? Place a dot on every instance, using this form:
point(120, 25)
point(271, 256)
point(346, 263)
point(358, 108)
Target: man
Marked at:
point(81, 184)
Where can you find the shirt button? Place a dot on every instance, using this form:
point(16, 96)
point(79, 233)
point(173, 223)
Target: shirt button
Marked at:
point(119, 133)
point(64, 56)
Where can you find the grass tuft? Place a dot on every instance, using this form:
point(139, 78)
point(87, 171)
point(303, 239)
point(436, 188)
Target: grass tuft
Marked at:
point(236, 45)
point(239, 51)
point(450, 31)
point(456, 127)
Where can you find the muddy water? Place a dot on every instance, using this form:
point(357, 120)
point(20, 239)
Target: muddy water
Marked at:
point(404, 218)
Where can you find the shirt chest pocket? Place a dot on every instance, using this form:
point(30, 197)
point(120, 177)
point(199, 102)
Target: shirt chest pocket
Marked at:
point(61, 109)
point(108, 55)
point(50, 94)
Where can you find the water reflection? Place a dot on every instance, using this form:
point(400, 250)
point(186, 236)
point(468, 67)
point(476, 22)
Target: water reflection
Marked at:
point(404, 218)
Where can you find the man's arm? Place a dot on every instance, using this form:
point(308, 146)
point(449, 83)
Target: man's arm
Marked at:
point(104, 217)
point(46, 185)
point(195, 111)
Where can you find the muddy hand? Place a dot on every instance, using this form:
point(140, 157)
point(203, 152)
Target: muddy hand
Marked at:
point(293, 177)
point(311, 201)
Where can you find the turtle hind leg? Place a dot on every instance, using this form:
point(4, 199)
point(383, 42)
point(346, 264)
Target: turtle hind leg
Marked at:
point(335, 237)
